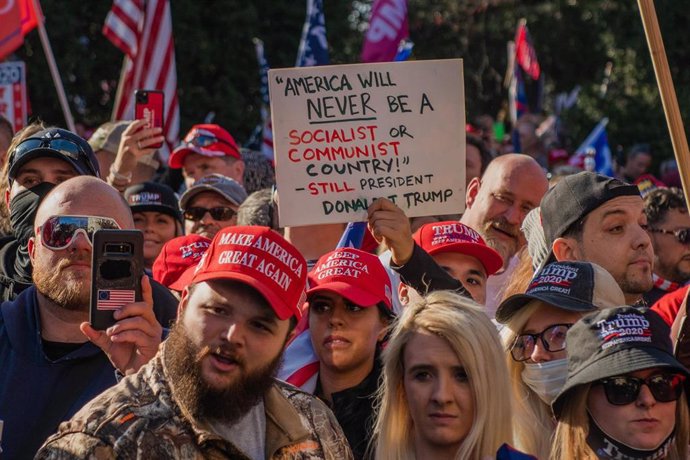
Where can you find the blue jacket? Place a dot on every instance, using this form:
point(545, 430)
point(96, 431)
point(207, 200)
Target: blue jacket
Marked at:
point(36, 394)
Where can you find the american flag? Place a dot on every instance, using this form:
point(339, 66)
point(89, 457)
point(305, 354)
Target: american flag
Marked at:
point(313, 47)
point(266, 126)
point(112, 299)
point(142, 29)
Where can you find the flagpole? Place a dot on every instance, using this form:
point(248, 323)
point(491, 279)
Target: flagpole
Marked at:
point(53, 69)
point(120, 88)
point(667, 91)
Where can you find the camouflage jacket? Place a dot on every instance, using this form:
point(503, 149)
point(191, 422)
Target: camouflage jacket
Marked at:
point(140, 419)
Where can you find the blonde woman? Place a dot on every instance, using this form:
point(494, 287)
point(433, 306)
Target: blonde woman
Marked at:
point(445, 392)
point(536, 323)
point(624, 397)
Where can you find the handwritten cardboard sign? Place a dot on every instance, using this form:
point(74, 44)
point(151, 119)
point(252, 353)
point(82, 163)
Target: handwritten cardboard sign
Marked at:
point(346, 135)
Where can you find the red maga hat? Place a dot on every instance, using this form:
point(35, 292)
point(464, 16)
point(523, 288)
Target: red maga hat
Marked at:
point(261, 258)
point(453, 236)
point(354, 274)
point(174, 266)
point(207, 140)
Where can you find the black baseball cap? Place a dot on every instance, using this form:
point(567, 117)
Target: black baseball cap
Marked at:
point(55, 143)
point(153, 197)
point(616, 341)
point(573, 198)
point(573, 286)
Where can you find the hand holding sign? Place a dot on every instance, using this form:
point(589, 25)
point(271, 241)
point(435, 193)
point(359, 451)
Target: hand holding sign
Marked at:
point(390, 226)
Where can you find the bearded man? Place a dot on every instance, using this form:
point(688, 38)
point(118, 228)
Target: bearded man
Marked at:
point(210, 392)
point(51, 361)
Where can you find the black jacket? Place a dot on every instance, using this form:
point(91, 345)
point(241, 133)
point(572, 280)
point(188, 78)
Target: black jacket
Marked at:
point(354, 410)
point(425, 276)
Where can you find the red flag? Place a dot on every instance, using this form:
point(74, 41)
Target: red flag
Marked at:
point(17, 18)
point(525, 55)
point(142, 29)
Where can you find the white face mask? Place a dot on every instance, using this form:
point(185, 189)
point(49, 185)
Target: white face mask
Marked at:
point(546, 379)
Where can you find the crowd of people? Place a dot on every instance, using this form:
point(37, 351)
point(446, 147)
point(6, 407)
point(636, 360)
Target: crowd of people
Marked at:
point(546, 321)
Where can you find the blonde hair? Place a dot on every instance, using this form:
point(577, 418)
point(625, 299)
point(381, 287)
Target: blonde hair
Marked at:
point(472, 336)
point(533, 422)
point(570, 439)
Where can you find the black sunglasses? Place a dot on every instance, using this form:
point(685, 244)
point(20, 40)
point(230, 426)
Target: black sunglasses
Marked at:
point(217, 213)
point(682, 235)
point(65, 146)
point(622, 390)
point(553, 339)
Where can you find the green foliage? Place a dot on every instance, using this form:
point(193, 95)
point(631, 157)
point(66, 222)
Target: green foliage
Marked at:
point(217, 69)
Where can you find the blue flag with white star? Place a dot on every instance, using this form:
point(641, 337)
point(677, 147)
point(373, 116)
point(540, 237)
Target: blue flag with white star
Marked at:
point(313, 47)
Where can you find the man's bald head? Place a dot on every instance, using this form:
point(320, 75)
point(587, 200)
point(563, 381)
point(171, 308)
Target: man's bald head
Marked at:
point(516, 161)
point(85, 196)
point(497, 203)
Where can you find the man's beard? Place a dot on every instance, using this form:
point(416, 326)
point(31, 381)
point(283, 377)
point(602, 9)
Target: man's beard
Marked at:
point(208, 231)
point(672, 271)
point(183, 363)
point(505, 248)
point(62, 288)
point(630, 285)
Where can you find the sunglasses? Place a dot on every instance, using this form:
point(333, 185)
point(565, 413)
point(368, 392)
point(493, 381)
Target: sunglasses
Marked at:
point(622, 390)
point(204, 140)
point(682, 235)
point(217, 213)
point(58, 232)
point(65, 146)
point(553, 339)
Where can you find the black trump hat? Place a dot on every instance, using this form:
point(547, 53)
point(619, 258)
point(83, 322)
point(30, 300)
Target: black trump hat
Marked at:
point(616, 341)
point(572, 286)
point(153, 197)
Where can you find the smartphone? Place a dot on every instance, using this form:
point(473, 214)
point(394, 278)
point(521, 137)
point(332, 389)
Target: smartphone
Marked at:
point(117, 265)
point(149, 105)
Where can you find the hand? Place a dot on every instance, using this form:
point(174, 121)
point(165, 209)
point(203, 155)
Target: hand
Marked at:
point(134, 339)
point(389, 224)
point(135, 143)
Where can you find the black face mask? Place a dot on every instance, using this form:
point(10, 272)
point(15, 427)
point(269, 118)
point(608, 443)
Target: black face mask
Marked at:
point(23, 209)
point(608, 448)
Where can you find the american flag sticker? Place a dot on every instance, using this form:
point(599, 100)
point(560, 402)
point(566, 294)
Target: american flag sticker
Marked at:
point(112, 299)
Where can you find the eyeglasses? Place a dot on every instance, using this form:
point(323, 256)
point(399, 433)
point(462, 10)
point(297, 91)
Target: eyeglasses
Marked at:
point(217, 213)
point(622, 390)
point(553, 339)
point(65, 146)
point(682, 235)
point(58, 232)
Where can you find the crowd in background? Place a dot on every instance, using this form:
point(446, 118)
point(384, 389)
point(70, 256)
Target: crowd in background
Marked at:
point(545, 321)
